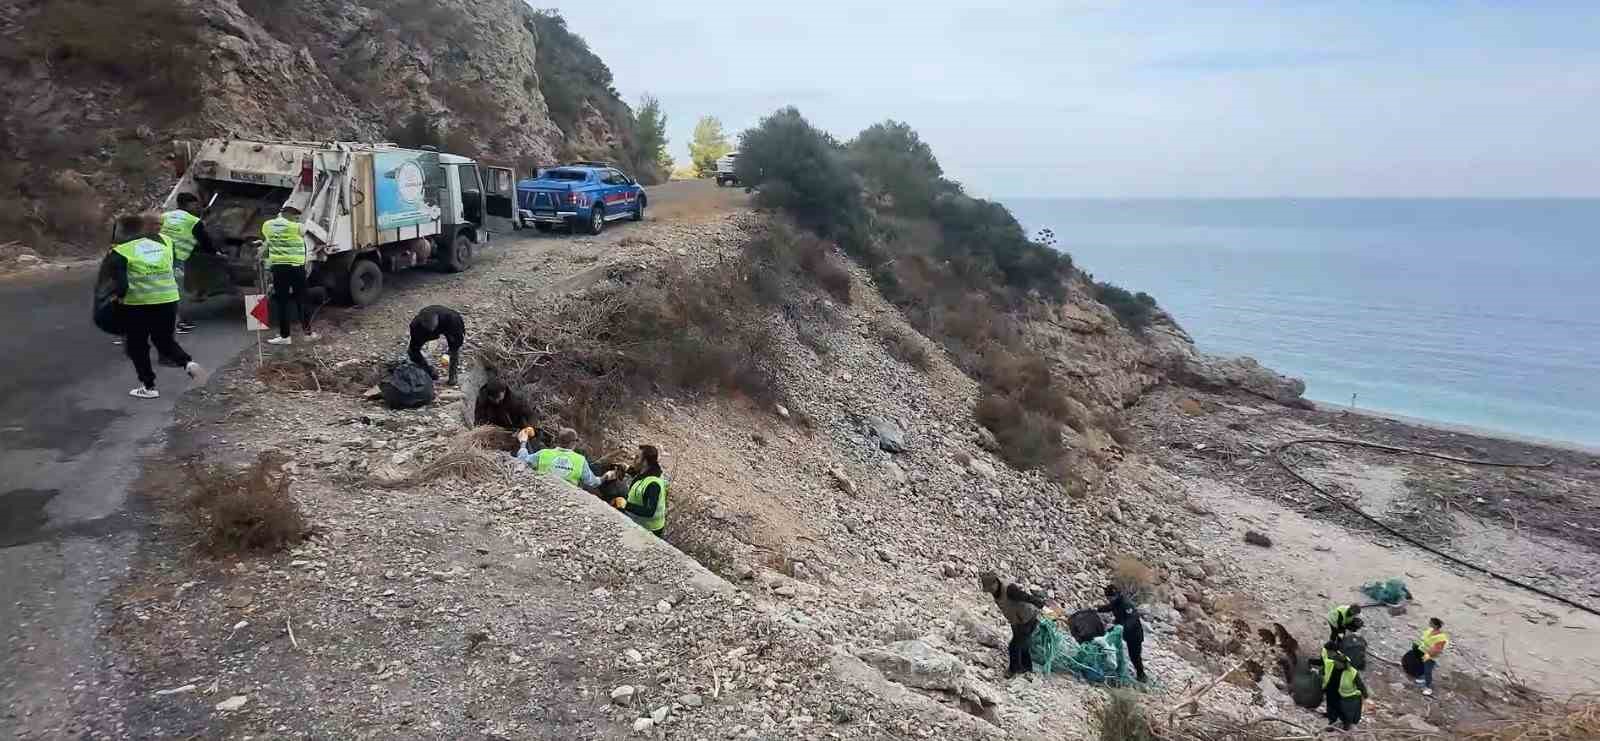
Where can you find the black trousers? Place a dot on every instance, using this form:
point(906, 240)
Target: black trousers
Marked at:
point(1019, 659)
point(1135, 640)
point(454, 339)
point(151, 325)
point(1335, 702)
point(290, 280)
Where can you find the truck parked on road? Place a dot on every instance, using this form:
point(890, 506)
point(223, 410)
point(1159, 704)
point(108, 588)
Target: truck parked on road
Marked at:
point(725, 169)
point(367, 209)
point(582, 196)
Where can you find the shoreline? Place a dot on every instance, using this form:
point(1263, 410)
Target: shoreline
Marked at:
point(1460, 429)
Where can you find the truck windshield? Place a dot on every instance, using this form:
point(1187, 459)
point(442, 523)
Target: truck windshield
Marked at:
point(565, 175)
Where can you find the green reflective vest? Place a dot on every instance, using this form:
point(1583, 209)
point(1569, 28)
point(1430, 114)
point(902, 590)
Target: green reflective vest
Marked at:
point(655, 520)
point(1431, 643)
point(285, 244)
point(150, 278)
point(1339, 617)
point(178, 226)
point(562, 462)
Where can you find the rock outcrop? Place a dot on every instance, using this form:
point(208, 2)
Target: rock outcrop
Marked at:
point(459, 74)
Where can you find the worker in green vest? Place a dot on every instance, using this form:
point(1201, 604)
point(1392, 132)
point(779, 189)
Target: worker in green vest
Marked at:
point(1431, 645)
point(646, 503)
point(1343, 619)
point(561, 460)
point(140, 267)
point(1342, 688)
point(285, 246)
point(183, 227)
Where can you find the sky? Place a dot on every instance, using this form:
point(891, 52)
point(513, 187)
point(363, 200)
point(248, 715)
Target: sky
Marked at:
point(1148, 98)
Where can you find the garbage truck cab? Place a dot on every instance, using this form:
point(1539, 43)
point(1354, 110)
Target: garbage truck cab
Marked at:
point(366, 209)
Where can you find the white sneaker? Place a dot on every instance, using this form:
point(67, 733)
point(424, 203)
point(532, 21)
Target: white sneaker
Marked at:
point(281, 341)
point(197, 373)
point(1420, 682)
point(313, 337)
point(144, 393)
point(1427, 692)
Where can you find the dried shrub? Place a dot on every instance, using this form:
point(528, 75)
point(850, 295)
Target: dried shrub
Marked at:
point(1122, 719)
point(71, 211)
point(818, 261)
point(1027, 438)
point(814, 337)
point(317, 373)
point(904, 346)
point(470, 456)
point(1132, 577)
point(1576, 718)
point(244, 511)
point(89, 40)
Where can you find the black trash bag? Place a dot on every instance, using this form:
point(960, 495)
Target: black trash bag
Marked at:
point(406, 387)
point(1306, 689)
point(1354, 647)
point(1085, 626)
point(108, 314)
point(1412, 663)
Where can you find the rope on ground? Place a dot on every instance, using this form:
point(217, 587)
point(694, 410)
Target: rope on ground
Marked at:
point(1277, 456)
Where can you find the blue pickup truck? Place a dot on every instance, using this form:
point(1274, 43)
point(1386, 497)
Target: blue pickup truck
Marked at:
point(582, 196)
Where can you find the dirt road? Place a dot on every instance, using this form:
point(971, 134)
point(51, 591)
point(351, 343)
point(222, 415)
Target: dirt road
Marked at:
point(72, 443)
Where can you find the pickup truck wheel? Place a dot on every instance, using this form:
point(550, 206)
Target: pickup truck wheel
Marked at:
point(460, 257)
point(597, 219)
point(638, 208)
point(364, 283)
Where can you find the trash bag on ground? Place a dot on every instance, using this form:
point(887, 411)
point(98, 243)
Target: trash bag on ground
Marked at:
point(1306, 689)
point(1101, 659)
point(1354, 647)
point(1411, 662)
point(1086, 625)
point(406, 386)
point(108, 314)
point(1391, 592)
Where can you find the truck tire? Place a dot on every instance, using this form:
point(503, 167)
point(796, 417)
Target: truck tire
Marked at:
point(460, 257)
point(597, 219)
point(542, 226)
point(638, 208)
point(363, 284)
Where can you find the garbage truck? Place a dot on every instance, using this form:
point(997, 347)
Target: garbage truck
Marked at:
point(367, 209)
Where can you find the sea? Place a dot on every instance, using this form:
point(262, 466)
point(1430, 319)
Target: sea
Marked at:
point(1482, 313)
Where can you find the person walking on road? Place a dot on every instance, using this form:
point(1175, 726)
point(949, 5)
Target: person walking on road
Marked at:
point(141, 268)
point(286, 254)
point(1127, 616)
point(183, 228)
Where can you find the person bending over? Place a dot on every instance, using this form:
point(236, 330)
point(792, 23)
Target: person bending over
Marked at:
point(430, 324)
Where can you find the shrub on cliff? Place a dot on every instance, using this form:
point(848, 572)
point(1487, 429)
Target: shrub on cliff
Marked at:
point(801, 170)
point(1133, 310)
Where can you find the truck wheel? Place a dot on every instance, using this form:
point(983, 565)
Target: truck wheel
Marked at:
point(460, 257)
point(364, 283)
point(638, 208)
point(597, 219)
point(542, 226)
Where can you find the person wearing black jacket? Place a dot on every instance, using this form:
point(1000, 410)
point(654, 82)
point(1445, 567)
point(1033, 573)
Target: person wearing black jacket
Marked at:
point(430, 324)
point(646, 502)
point(1021, 609)
point(1126, 615)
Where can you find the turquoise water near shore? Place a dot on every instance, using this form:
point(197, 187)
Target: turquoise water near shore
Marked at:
point(1473, 312)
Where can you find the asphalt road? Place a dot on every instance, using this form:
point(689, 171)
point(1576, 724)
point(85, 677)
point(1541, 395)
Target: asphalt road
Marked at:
point(71, 444)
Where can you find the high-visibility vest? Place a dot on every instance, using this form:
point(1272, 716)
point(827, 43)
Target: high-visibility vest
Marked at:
point(1339, 616)
point(1347, 678)
point(657, 519)
point(562, 462)
point(1430, 640)
point(150, 278)
point(285, 244)
point(178, 226)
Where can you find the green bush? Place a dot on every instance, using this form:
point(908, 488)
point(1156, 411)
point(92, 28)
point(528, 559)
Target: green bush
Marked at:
point(1134, 310)
point(896, 163)
point(802, 171)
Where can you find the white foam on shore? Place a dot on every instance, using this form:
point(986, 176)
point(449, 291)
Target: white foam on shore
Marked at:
point(1462, 429)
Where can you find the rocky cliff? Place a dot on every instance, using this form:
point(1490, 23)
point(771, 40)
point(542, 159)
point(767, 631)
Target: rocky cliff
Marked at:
point(99, 87)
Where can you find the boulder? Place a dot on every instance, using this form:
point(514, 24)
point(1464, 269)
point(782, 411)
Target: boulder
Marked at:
point(891, 437)
point(1256, 538)
point(915, 663)
point(1243, 373)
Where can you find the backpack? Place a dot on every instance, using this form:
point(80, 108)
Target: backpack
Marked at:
point(407, 386)
point(1085, 626)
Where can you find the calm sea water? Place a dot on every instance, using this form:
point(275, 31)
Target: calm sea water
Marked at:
point(1476, 312)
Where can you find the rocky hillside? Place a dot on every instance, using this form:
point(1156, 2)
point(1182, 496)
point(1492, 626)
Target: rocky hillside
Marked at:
point(90, 128)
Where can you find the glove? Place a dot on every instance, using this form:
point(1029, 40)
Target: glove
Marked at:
point(619, 503)
point(524, 434)
point(609, 475)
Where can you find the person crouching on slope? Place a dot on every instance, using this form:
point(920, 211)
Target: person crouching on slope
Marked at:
point(1021, 609)
point(561, 460)
point(646, 502)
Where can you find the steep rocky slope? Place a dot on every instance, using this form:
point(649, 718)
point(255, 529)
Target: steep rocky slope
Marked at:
point(99, 88)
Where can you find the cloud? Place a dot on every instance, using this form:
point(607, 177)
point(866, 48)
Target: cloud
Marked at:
point(1234, 60)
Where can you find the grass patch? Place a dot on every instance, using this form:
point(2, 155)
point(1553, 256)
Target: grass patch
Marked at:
point(904, 346)
point(248, 511)
point(1122, 719)
point(1132, 577)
